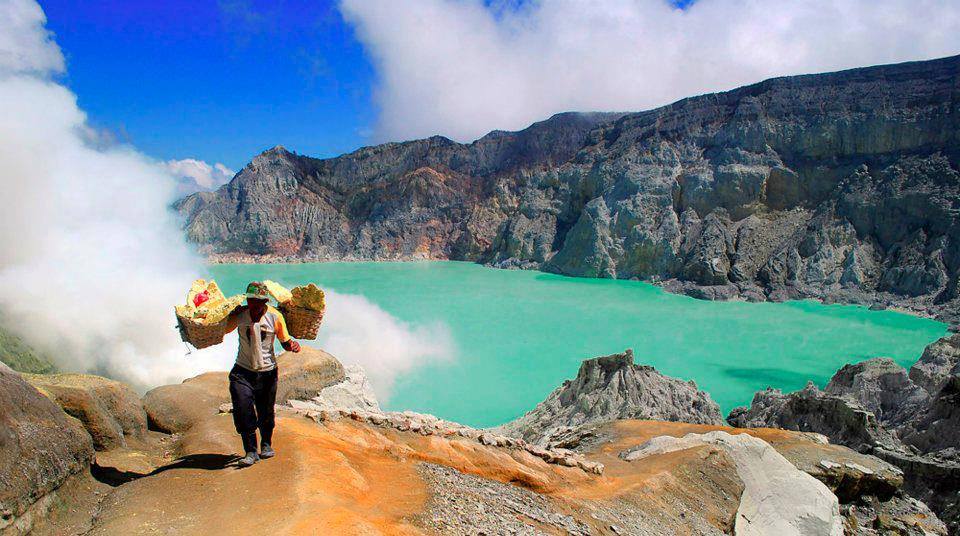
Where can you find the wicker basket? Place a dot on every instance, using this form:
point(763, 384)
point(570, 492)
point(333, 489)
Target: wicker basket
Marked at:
point(200, 335)
point(301, 323)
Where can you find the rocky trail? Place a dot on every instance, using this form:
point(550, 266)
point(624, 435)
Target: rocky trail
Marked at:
point(101, 461)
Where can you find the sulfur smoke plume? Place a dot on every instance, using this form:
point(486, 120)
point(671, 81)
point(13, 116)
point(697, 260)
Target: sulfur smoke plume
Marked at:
point(91, 259)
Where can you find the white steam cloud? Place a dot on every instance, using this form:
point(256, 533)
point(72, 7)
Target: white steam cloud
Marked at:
point(91, 259)
point(462, 68)
point(359, 332)
point(196, 175)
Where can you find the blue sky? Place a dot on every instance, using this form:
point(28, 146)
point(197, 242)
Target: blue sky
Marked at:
point(218, 81)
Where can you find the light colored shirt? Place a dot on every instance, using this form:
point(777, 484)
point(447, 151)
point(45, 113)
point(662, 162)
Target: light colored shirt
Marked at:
point(256, 351)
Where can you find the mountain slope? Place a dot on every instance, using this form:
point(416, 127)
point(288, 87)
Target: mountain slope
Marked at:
point(838, 186)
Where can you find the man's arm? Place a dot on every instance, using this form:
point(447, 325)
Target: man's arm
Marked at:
point(234, 318)
point(280, 327)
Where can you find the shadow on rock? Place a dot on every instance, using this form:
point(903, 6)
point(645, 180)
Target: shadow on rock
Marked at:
point(210, 462)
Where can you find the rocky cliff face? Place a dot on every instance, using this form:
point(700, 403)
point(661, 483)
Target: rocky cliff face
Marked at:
point(911, 419)
point(610, 388)
point(838, 186)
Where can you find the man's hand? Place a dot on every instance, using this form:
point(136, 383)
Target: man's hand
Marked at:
point(291, 346)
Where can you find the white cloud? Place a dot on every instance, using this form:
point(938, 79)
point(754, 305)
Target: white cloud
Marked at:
point(461, 68)
point(25, 45)
point(197, 175)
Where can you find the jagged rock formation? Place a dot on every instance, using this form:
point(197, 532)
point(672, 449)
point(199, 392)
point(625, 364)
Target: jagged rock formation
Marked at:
point(909, 419)
point(840, 186)
point(777, 497)
point(425, 198)
point(610, 388)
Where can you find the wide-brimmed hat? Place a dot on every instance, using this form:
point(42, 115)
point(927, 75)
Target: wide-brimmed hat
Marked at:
point(257, 291)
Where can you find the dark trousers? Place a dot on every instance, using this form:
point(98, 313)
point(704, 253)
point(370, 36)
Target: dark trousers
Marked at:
point(253, 395)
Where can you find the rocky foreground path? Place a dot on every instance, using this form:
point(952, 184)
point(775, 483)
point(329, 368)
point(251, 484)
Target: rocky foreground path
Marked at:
point(347, 467)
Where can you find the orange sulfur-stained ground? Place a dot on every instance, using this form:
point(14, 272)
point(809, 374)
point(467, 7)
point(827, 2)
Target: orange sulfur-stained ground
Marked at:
point(346, 477)
point(349, 477)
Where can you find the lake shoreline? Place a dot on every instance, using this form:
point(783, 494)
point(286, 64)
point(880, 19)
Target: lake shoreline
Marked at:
point(730, 292)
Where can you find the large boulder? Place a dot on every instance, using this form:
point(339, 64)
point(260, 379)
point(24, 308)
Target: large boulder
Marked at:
point(353, 393)
point(849, 474)
point(304, 374)
point(177, 408)
point(108, 409)
point(40, 448)
point(610, 388)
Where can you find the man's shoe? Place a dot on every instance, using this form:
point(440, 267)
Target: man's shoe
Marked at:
point(248, 460)
point(266, 451)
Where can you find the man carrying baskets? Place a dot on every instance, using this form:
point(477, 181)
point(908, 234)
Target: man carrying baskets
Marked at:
point(253, 380)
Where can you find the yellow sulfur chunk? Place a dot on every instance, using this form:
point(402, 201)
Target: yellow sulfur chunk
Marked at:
point(308, 297)
point(214, 291)
point(278, 291)
point(201, 285)
point(212, 311)
point(215, 311)
point(197, 287)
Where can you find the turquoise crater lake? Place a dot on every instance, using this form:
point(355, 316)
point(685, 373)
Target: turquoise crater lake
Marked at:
point(518, 334)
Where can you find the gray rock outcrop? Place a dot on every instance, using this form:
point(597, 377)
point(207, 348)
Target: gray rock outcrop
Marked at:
point(939, 362)
point(839, 186)
point(910, 419)
point(610, 388)
point(899, 515)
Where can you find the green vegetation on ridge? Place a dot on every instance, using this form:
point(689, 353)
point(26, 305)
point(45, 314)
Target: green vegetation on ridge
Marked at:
point(19, 356)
